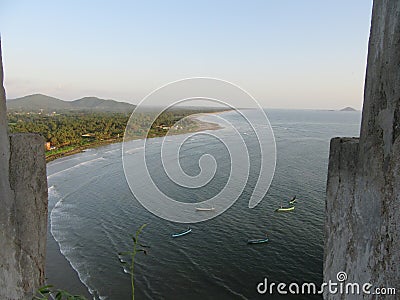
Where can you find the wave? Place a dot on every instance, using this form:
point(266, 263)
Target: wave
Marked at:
point(66, 249)
point(68, 158)
point(54, 196)
point(133, 150)
point(85, 163)
point(112, 151)
point(51, 190)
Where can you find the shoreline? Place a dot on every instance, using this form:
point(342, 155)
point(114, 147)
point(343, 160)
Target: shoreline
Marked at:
point(200, 126)
point(59, 272)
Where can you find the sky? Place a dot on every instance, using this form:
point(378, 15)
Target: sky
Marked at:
point(308, 54)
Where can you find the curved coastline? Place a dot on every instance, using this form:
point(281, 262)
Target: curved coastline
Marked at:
point(200, 126)
point(59, 271)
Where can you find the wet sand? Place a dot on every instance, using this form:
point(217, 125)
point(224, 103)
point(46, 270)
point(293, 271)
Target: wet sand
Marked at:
point(59, 272)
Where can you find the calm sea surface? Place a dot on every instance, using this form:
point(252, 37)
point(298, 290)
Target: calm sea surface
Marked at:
point(92, 213)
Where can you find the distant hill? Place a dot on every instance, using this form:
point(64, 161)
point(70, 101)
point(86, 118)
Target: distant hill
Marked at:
point(38, 102)
point(348, 108)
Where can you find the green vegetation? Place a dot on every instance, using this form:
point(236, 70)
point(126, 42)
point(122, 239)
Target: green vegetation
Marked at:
point(72, 132)
point(59, 150)
point(69, 129)
point(139, 125)
point(47, 292)
point(132, 254)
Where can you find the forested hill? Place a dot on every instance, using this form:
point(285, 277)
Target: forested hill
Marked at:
point(46, 104)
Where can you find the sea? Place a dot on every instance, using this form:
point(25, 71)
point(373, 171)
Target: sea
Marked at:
point(93, 213)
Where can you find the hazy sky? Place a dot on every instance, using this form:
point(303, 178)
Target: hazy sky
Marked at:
point(286, 53)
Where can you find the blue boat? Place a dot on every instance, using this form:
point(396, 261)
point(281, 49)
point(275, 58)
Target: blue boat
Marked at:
point(257, 241)
point(189, 230)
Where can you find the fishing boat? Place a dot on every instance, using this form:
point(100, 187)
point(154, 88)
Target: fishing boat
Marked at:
point(205, 208)
point(189, 230)
point(257, 241)
point(293, 200)
point(285, 208)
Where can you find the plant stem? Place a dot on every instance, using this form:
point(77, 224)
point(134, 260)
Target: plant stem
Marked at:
point(132, 269)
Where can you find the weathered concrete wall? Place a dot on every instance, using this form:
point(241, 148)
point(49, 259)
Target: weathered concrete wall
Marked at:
point(23, 209)
point(363, 191)
point(8, 263)
point(29, 182)
point(340, 212)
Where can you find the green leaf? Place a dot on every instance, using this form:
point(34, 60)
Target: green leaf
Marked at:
point(140, 229)
point(142, 250)
point(45, 289)
point(133, 238)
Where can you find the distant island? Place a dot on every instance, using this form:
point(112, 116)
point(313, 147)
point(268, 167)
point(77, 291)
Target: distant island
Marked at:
point(348, 108)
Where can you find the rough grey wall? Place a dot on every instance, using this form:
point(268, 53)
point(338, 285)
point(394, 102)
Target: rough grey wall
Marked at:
point(363, 191)
point(23, 209)
point(339, 215)
point(29, 182)
point(8, 263)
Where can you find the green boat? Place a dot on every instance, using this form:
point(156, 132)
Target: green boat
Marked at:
point(285, 208)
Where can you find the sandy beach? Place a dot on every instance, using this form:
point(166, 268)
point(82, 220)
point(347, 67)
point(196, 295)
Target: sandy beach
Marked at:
point(59, 272)
point(199, 126)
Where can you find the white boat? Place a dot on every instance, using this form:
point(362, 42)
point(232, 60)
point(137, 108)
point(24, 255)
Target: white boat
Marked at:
point(205, 208)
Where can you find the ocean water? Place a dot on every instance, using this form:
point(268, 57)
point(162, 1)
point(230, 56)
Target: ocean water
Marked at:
point(93, 212)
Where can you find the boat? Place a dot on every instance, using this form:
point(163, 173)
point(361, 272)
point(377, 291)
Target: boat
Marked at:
point(293, 200)
point(285, 208)
point(189, 230)
point(205, 208)
point(257, 241)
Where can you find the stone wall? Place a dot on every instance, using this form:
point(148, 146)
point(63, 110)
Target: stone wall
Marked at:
point(363, 188)
point(23, 209)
